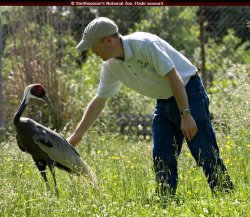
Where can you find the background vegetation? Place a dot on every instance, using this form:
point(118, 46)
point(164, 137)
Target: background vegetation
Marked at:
point(39, 47)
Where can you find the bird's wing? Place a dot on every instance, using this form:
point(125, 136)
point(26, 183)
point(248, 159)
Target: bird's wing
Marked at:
point(59, 150)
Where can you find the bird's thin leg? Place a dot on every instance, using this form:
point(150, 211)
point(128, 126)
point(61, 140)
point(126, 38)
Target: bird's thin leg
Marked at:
point(52, 170)
point(42, 167)
point(43, 173)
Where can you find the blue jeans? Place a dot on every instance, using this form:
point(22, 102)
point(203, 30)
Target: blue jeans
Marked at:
point(168, 139)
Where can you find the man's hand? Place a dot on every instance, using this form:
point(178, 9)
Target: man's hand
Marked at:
point(188, 127)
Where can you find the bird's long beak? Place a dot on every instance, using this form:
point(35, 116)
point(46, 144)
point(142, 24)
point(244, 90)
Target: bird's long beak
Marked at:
point(47, 100)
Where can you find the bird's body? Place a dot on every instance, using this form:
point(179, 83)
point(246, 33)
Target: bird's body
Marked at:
point(25, 129)
point(47, 147)
point(45, 144)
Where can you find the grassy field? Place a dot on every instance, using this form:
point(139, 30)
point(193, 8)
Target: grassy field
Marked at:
point(126, 178)
point(126, 185)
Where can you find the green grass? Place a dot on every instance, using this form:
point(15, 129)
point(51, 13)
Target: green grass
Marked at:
point(126, 185)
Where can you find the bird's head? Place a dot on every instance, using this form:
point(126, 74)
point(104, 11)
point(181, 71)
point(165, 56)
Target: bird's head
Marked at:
point(36, 91)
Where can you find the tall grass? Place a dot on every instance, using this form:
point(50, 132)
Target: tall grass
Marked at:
point(126, 185)
point(37, 52)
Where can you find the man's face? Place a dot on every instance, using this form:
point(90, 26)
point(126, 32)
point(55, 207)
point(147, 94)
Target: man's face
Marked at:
point(102, 48)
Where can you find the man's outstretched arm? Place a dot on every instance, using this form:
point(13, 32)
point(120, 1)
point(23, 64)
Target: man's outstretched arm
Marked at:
point(90, 115)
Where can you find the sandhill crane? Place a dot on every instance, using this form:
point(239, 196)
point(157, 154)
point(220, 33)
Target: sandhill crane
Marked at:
point(47, 147)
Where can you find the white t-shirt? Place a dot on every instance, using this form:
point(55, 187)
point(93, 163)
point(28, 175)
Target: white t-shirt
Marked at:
point(148, 59)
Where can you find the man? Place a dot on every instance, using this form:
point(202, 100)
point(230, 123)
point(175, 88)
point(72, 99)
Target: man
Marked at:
point(152, 67)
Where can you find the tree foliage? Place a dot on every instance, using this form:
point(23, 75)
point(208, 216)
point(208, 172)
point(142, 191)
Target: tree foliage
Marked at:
point(39, 47)
point(177, 25)
point(220, 19)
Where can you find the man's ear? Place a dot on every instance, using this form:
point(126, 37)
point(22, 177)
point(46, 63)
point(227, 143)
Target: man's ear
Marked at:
point(108, 40)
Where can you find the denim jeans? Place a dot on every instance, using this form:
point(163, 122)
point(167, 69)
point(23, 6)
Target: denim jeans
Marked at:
point(168, 139)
